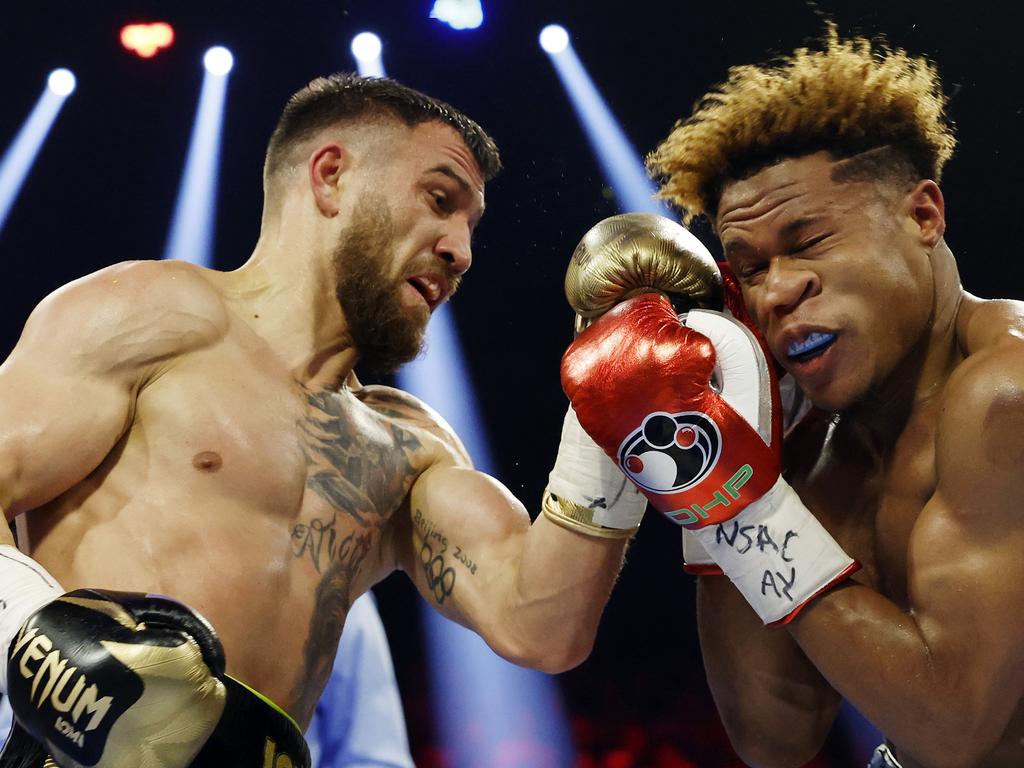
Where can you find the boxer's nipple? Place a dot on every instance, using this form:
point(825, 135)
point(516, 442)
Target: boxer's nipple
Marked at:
point(207, 461)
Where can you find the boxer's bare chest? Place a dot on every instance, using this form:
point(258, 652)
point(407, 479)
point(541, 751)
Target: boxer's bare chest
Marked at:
point(868, 494)
point(259, 501)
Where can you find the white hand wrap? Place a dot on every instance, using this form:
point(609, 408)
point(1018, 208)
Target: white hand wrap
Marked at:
point(586, 491)
point(27, 587)
point(696, 560)
point(777, 554)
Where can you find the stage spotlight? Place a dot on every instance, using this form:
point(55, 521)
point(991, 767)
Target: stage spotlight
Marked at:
point(17, 160)
point(458, 14)
point(218, 60)
point(554, 38)
point(195, 214)
point(61, 82)
point(622, 166)
point(366, 47)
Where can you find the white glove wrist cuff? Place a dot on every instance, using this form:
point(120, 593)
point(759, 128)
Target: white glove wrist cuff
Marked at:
point(27, 587)
point(584, 477)
point(696, 560)
point(777, 554)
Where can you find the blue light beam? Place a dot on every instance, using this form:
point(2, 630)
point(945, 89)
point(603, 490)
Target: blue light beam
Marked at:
point(192, 226)
point(23, 150)
point(490, 712)
point(620, 163)
point(458, 14)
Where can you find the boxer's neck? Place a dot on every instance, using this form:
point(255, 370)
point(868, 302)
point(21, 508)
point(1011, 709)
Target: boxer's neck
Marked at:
point(922, 373)
point(288, 296)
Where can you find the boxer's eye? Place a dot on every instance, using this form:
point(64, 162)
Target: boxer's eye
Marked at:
point(750, 271)
point(808, 244)
point(441, 201)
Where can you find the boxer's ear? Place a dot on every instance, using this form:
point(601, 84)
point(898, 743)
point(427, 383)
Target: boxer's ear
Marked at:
point(927, 209)
point(327, 165)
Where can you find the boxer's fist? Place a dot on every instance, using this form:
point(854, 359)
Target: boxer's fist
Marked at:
point(633, 253)
point(690, 411)
point(116, 680)
point(641, 382)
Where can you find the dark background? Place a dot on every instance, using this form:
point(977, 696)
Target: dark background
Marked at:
point(105, 183)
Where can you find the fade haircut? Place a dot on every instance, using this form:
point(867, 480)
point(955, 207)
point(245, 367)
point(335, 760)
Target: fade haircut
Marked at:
point(345, 97)
point(856, 98)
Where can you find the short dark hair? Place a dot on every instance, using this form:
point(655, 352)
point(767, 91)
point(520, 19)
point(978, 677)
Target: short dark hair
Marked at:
point(344, 97)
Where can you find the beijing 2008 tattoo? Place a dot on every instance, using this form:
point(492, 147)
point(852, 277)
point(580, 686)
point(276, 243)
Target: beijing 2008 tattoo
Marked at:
point(436, 558)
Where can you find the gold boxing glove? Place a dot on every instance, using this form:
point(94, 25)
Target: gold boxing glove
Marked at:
point(633, 253)
point(619, 257)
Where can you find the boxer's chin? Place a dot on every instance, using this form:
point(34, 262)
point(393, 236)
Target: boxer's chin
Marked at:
point(390, 337)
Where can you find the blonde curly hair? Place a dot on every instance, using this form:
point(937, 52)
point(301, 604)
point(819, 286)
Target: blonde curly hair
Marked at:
point(852, 96)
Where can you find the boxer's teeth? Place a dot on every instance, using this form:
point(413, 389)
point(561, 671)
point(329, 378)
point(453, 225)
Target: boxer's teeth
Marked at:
point(813, 343)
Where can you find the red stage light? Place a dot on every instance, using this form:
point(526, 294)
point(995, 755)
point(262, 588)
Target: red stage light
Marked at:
point(146, 39)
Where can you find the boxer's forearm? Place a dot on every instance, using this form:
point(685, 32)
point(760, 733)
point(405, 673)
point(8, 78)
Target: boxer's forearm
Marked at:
point(557, 593)
point(775, 706)
point(937, 706)
point(533, 591)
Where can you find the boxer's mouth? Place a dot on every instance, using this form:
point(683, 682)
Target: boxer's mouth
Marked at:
point(809, 347)
point(432, 289)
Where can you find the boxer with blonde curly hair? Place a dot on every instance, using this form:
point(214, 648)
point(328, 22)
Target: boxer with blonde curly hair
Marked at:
point(819, 172)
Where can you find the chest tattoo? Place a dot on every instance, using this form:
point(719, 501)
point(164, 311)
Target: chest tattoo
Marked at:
point(362, 466)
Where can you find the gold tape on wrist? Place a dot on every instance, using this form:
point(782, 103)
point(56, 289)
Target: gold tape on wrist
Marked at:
point(580, 519)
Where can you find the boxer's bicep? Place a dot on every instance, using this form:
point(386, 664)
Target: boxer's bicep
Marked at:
point(463, 542)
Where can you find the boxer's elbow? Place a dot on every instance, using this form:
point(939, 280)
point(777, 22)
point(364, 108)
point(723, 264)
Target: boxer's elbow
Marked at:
point(766, 736)
point(545, 651)
point(762, 749)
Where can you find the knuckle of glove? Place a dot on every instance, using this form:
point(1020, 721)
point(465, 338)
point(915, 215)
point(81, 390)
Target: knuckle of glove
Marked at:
point(92, 681)
point(636, 252)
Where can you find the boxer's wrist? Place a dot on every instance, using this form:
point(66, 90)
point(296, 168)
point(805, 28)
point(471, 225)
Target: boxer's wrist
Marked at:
point(26, 587)
point(586, 491)
point(777, 554)
point(696, 560)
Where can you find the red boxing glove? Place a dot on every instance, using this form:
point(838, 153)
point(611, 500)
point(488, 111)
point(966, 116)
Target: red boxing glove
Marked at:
point(689, 410)
point(641, 384)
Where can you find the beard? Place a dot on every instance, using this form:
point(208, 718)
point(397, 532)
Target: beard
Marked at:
point(385, 332)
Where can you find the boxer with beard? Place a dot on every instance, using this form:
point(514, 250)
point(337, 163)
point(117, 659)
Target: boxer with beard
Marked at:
point(170, 430)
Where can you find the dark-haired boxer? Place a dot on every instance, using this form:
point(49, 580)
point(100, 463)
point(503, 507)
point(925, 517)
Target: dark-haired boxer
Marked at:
point(175, 430)
point(819, 175)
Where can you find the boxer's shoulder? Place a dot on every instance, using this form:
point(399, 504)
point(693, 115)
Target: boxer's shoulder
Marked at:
point(979, 438)
point(412, 413)
point(986, 323)
point(131, 313)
